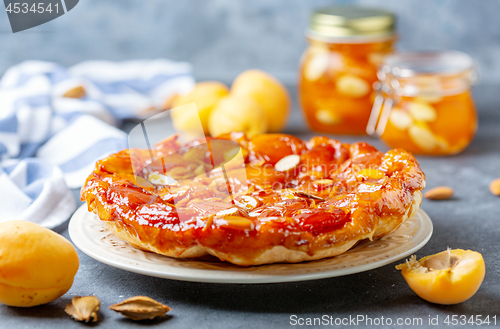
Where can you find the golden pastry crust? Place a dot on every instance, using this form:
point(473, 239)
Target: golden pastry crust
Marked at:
point(337, 195)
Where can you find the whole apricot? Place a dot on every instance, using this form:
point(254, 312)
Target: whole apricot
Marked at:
point(237, 113)
point(449, 277)
point(37, 265)
point(205, 95)
point(268, 92)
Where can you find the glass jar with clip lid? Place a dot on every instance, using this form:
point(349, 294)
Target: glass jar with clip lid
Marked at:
point(347, 45)
point(424, 102)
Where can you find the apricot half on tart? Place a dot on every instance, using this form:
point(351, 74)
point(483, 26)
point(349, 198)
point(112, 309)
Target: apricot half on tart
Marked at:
point(285, 200)
point(449, 277)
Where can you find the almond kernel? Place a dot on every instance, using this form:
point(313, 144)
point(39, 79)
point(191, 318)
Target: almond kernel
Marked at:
point(370, 173)
point(352, 86)
point(77, 92)
point(287, 163)
point(422, 111)
point(323, 181)
point(400, 119)
point(422, 136)
point(327, 117)
point(237, 222)
point(439, 193)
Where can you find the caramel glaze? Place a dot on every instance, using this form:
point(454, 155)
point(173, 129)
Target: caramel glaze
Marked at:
point(353, 206)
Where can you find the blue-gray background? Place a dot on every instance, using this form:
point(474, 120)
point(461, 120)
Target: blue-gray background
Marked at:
point(224, 37)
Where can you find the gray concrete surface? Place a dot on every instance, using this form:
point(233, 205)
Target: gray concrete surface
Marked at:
point(468, 221)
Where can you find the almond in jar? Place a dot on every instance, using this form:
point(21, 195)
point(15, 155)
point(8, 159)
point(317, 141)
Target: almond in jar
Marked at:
point(339, 67)
point(425, 102)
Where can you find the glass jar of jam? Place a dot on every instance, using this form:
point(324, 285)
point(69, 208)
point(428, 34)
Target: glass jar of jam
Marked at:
point(346, 47)
point(424, 102)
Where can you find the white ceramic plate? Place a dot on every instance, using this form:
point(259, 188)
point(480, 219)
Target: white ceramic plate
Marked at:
point(94, 238)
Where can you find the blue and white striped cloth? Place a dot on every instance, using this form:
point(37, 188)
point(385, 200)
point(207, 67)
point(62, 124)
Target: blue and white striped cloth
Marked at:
point(49, 143)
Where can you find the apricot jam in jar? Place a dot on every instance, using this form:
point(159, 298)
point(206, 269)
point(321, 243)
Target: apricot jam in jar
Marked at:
point(424, 102)
point(346, 47)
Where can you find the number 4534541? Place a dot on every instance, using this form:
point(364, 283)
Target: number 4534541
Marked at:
point(478, 320)
point(37, 8)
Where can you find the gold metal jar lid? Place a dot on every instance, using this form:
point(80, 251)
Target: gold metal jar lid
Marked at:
point(343, 22)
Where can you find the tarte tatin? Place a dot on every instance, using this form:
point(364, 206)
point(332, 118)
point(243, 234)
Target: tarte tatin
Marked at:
point(303, 200)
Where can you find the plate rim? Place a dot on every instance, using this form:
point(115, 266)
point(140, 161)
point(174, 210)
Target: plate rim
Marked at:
point(206, 276)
